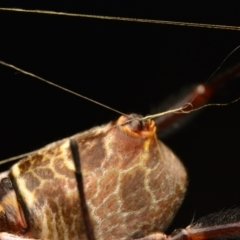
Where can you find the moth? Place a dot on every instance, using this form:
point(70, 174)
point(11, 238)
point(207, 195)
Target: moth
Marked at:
point(128, 90)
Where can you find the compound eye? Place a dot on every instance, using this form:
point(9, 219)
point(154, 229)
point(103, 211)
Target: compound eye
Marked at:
point(134, 126)
point(11, 210)
point(7, 184)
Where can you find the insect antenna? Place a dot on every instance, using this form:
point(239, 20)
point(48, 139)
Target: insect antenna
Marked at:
point(185, 106)
point(125, 19)
point(79, 178)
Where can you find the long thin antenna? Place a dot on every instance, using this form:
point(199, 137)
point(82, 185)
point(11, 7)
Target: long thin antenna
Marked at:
point(126, 19)
point(58, 86)
point(17, 157)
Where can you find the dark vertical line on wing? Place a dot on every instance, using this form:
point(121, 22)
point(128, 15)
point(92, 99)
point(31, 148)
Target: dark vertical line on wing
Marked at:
point(79, 178)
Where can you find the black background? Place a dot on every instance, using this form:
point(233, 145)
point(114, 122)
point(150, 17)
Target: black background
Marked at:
point(131, 67)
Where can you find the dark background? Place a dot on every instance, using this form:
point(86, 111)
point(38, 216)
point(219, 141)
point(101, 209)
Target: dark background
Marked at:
point(131, 67)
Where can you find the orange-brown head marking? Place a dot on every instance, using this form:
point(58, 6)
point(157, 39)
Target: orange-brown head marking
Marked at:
point(133, 183)
point(134, 126)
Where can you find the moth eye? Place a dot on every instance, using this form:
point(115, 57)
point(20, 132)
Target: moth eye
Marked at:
point(7, 184)
point(136, 125)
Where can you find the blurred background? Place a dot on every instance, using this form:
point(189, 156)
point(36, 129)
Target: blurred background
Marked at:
point(129, 66)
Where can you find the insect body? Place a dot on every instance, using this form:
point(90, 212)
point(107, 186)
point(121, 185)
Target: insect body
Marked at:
point(133, 185)
point(120, 163)
point(81, 81)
